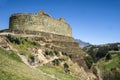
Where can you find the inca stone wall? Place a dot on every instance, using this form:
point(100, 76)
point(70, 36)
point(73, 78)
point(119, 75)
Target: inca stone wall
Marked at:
point(39, 22)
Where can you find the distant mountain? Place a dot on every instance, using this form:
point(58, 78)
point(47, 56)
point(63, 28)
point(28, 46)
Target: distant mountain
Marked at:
point(82, 44)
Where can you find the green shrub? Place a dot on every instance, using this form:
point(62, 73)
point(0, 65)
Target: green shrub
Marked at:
point(66, 65)
point(32, 58)
point(64, 53)
point(89, 61)
point(35, 43)
point(46, 52)
point(14, 39)
point(56, 52)
point(50, 53)
point(108, 56)
point(61, 59)
point(10, 37)
point(56, 62)
point(17, 40)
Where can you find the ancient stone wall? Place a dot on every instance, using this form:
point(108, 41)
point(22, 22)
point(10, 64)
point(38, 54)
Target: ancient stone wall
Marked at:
point(40, 22)
point(47, 36)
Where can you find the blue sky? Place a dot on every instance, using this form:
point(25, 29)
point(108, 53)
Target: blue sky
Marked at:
point(94, 21)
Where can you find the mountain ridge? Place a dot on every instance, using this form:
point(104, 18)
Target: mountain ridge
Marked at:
point(82, 44)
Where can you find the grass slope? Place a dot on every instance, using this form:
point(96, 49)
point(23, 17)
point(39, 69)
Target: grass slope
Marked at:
point(108, 65)
point(58, 73)
point(12, 68)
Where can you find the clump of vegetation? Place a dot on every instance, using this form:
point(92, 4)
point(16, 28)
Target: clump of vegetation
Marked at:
point(20, 40)
point(22, 44)
point(46, 52)
point(64, 53)
point(108, 57)
point(66, 65)
point(56, 62)
point(61, 59)
point(14, 39)
point(66, 68)
point(56, 52)
point(49, 53)
point(36, 44)
point(89, 61)
point(32, 58)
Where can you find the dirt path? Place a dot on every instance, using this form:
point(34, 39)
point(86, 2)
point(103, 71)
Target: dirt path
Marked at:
point(24, 59)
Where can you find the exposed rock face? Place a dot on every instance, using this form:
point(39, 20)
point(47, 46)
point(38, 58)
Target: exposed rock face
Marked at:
point(40, 22)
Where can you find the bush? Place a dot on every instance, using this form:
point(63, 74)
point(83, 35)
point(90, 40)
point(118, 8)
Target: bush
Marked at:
point(56, 62)
point(46, 52)
point(35, 43)
point(61, 59)
point(108, 56)
point(89, 61)
point(10, 37)
point(14, 39)
point(64, 53)
point(17, 40)
point(32, 58)
point(66, 65)
point(50, 53)
point(56, 52)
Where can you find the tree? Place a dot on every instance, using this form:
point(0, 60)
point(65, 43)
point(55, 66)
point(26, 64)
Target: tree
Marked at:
point(89, 61)
point(108, 56)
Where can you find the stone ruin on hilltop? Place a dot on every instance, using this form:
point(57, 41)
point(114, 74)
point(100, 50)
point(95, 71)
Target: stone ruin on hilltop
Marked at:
point(56, 34)
point(39, 22)
point(51, 34)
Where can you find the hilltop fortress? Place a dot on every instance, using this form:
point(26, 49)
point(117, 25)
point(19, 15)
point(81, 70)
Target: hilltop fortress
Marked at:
point(51, 35)
point(40, 22)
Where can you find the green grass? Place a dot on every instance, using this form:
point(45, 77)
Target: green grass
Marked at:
point(108, 65)
point(24, 45)
point(113, 63)
point(10, 54)
point(8, 76)
point(58, 73)
point(12, 68)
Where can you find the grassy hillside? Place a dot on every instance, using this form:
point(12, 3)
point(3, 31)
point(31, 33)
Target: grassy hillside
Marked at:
point(108, 65)
point(107, 60)
point(110, 69)
point(12, 68)
point(58, 73)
